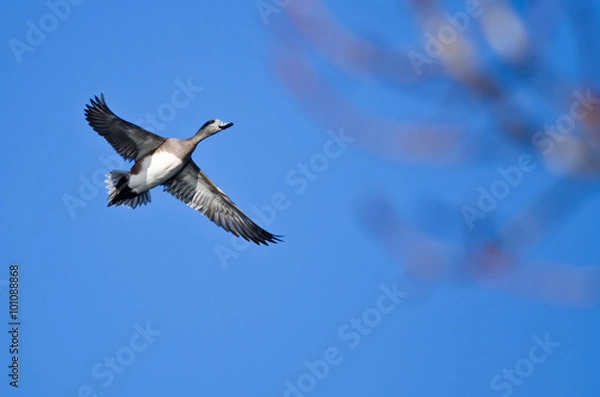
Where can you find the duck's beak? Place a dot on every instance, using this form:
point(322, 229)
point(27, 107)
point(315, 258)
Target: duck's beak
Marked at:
point(225, 125)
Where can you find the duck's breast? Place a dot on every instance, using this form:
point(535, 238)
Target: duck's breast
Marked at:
point(153, 170)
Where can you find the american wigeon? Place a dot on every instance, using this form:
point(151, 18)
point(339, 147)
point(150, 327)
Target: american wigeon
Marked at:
point(167, 162)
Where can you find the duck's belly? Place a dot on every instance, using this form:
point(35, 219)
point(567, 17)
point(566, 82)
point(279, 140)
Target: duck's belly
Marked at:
point(153, 171)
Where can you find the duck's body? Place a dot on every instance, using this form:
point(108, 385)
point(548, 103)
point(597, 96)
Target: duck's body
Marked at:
point(154, 169)
point(161, 165)
point(167, 162)
point(132, 188)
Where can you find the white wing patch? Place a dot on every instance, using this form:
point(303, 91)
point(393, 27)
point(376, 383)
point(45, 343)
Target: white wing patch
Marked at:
point(155, 170)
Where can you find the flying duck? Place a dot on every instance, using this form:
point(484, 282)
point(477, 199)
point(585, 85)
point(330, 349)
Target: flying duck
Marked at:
point(167, 162)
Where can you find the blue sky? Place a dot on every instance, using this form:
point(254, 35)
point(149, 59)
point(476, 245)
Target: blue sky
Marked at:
point(147, 286)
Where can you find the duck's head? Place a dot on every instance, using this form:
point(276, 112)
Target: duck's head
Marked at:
point(209, 128)
point(214, 126)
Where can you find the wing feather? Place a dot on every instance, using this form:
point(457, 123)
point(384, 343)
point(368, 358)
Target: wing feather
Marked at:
point(129, 140)
point(194, 188)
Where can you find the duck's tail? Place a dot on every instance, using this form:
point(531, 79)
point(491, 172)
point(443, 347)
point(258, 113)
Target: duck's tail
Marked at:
point(119, 192)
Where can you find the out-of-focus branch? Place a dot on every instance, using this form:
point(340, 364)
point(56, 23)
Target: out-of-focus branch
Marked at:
point(346, 50)
point(486, 263)
point(422, 143)
point(500, 96)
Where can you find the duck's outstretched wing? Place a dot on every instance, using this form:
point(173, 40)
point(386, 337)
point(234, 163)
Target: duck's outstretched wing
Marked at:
point(194, 188)
point(129, 140)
